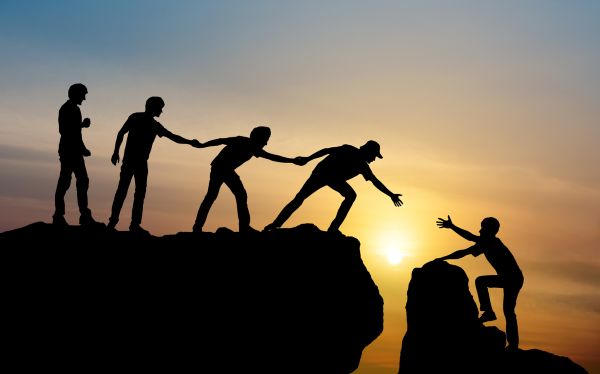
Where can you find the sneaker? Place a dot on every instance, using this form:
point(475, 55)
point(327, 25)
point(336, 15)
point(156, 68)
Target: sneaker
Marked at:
point(137, 229)
point(59, 221)
point(487, 316)
point(87, 220)
point(197, 229)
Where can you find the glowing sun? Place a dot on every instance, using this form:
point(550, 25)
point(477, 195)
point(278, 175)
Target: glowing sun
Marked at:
point(394, 255)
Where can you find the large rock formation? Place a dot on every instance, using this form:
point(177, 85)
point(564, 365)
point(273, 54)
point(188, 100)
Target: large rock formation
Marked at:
point(444, 335)
point(289, 301)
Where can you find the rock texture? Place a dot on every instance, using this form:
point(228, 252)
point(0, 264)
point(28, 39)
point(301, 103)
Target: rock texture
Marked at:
point(289, 301)
point(444, 336)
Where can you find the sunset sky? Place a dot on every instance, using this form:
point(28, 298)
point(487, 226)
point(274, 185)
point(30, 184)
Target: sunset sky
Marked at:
point(482, 108)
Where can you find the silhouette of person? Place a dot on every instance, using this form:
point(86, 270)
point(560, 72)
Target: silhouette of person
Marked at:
point(237, 151)
point(509, 275)
point(71, 151)
point(341, 164)
point(142, 129)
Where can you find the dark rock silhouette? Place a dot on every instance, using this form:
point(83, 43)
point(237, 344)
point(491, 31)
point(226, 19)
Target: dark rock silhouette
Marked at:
point(289, 301)
point(445, 336)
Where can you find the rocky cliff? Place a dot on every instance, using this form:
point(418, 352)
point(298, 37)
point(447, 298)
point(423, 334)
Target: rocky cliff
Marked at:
point(289, 301)
point(444, 335)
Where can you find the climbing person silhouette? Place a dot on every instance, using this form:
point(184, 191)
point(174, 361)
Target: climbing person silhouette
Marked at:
point(71, 151)
point(237, 151)
point(509, 275)
point(142, 129)
point(341, 164)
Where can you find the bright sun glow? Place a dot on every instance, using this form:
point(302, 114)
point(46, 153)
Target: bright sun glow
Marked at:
point(394, 255)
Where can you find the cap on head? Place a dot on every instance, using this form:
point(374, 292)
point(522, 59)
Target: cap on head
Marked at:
point(154, 102)
point(77, 89)
point(373, 148)
point(491, 225)
point(260, 133)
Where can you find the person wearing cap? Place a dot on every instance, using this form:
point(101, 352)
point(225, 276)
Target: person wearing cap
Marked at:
point(341, 164)
point(71, 151)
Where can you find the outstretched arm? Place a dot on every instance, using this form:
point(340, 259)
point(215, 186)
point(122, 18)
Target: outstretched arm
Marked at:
point(181, 140)
point(448, 224)
point(456, 255)
point(321, 153)
point(381, 187)
point(115, 157)
point(277, 158)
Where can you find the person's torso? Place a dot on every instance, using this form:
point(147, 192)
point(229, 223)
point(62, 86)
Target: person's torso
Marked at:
point(501, 259)
point(344, 163)
point(235, 154)
point(143, 129)
point(69, 125)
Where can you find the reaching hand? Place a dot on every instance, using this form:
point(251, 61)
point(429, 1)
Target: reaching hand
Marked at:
point(115, 158)
point(396, 199)
point(196, 144)
point(86, 122)
point(301, 161)
point(444, 224)
point(86, 152)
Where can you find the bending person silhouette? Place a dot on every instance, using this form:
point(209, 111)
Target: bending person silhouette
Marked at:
point(237, 151)
point(509, 275)
point(142, 129)
point(341, 164)
point(72, 151)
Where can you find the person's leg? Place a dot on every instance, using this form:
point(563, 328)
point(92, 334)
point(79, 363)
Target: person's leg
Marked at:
point(482, 284)
point(349, 197)
point(124, 181)
point(511, 291)
point(82, 185)
point(64, 181)
point(309, 187)
point(214, 185)
point(233, 181)
point(141, 181)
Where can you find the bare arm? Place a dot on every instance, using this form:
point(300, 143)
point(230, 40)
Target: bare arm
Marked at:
point(448, 224)
point(381, 187)
point(115, 157)
point(458, 254)
point(276, 158)
point(321, 153)
point(179, 139)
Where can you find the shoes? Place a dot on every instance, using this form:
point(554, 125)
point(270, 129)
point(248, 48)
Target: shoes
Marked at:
point(334, 231)
point(512, 348)
point(59, 221)
point(87, 220)
point(270, 227)
point(197, 229)
point(487, 316)
point(137, 229)
point(112, 224)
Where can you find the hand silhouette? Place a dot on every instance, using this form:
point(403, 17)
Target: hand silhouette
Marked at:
point(86, 152)
point(444, 224)
point(301, 161)
point(86, 122)
point(195, 143)
point(396, 199)
point(115, 158)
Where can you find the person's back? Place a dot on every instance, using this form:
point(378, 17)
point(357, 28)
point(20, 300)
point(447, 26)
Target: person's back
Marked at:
point(343, 163)
point(142, 131)
point(500, 257)
point(238, 150)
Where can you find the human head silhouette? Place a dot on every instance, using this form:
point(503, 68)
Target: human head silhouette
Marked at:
point(154, 106)
point(77, 93)
point(371, 150)
point(489, 227)
point(260, 135)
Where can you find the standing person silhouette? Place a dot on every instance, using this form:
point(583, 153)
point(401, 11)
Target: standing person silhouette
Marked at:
point(142, 129)
point(341, 164)
point(237, 151)
point(509, 275)
point(71, 151)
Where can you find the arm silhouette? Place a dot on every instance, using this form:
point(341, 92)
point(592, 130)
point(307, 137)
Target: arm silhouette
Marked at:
point(181, 140)
point(457, 254)
point(277, 158)
point(317, 154)
point(448, 224)
point(381, 187)
point(215, 142)
point(115, 157)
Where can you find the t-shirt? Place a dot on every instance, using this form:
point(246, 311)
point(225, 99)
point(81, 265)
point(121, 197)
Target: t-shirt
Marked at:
point(69, 126)
point(498, 256)
point(343, 163)
point(141, 129)
point(238, 150)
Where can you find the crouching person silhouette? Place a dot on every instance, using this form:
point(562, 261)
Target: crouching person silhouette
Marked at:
point(341, 164)
point(72, 151)
point(142, 129)
point(237, 151)
point(509, 275)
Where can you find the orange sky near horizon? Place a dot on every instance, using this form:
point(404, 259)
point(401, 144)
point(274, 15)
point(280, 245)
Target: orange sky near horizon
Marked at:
point(481, 109)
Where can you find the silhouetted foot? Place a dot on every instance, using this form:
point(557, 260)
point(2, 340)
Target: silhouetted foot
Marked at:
point(112, 224)
point(59, 221)
point(137, 229)
point(197, 229)
point(270, 227)
point(512, 348)
point(334, 231)
point(487, 316)
point(88, 221)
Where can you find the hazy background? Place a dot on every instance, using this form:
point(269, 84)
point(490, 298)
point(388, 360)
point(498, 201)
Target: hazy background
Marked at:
point(482, 108)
